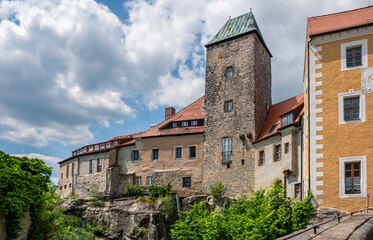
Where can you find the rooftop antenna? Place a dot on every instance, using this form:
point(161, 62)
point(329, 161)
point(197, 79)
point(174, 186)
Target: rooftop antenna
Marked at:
point(229, 17)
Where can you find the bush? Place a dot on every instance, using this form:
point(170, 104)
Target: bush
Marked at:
point(218, 190)
point(168, 208)
point(268, 214)
point(133, 191)
point(160, 191)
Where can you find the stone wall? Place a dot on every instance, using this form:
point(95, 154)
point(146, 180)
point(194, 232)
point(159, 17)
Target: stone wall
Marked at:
point(250, 91)
point(25, 225)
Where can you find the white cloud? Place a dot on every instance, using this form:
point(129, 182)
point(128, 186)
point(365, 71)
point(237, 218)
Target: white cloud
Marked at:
point(69, 64)
point(49, 161)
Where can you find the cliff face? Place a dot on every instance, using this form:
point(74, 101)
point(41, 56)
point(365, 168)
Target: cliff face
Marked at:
point(123, 218)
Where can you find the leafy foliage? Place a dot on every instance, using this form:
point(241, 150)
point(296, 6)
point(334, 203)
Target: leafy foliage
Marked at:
point(133, 190)
point(168, 208)
point(25, 186)
point(160, 191)
point(266, 215)
point(218, 190)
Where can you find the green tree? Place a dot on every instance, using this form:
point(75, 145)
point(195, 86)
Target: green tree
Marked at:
point(268, 214)
point(25, 186)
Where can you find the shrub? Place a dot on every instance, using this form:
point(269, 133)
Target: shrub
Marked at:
point(218, 190)
point(160, 191)
point(133, 191)
point(142, 199)
point(168, 208)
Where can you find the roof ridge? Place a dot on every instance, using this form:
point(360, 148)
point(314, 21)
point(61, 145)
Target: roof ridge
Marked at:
point(337, 13)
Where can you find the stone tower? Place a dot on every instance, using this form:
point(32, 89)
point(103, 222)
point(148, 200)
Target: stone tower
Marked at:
point(237, 97)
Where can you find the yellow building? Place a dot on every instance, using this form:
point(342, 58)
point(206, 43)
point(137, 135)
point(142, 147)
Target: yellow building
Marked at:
point(338, 80)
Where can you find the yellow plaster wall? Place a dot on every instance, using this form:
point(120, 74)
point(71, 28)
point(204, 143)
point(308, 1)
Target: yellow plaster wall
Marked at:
point(343, 140)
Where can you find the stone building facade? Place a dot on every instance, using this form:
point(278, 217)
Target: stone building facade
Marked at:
point(217, 138)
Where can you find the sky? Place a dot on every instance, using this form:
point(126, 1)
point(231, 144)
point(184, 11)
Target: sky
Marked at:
point(76, 72)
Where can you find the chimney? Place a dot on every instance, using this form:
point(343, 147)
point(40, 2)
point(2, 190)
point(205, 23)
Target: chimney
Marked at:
point(169, 112)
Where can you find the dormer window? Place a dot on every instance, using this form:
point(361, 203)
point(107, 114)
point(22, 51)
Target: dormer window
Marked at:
point(108, 144)
point(274, 126)
point(102, 146)
point(174, 125)
point(90, 148)
point(115, 143)
point(184, 124)
point(194, 123)
point(97, 147)
point(229, 72)
point(287, 119)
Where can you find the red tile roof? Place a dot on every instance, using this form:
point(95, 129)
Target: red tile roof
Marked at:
point(339, 21)
point(193, 111)
point(277, 110)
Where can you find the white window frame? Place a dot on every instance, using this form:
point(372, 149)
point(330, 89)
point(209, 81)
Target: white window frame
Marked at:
point(139, 180)
point(351, 94)
point(364, 54)
point(102, 146)
point(363, 176)
point(194, 123)
point(174, 125)
point(184, 124)
point(97, 147)
point(90, 148)
point(149, 180)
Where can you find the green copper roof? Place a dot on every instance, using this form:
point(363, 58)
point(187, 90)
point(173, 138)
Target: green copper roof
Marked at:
point(236, 26)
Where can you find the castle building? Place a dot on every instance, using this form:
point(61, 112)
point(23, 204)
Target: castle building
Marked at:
point(233, 134)
point(338, 131)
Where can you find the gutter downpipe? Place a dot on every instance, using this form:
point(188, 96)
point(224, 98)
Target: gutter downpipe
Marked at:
point(301, 157)
point(308, 114)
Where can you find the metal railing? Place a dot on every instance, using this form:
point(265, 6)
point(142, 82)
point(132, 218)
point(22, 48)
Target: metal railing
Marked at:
point(316, 226)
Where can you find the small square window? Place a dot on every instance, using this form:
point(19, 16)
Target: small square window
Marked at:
point(277, 155)
point(115, 143)
point(192, 152)
point(155, 154)
point(102, 146)
point(287, 147)
point(99, 165)
point(228, 106)
point(194, 123)
point(90, 148)
point(97, 147)
point(187, 182)
point(242, 162)
point(184, 124)
point(297, 190)
point(108, 144)
point(149, 180)
point(174, 125)
point(229, 72)
point(261, 158)
point(139, 181)
point(135, 156)
point(178, 153)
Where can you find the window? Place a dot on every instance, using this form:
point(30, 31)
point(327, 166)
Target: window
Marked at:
point(69, 185)
point(229, 72)
point(184, 124)
point(174, 125)
point(91, 166)
point(138, 181)
point(67, 171)
point(277, 154)
point(228, 106)
point(64, 186)
point(135, 155)
point(226, 149)
point(102, 146)
point(187, 181)
point(149, 180)
point(97, 147)
point(90, 148)
point(194, 123)
point(351, 107)
point(192, 152)
point(261, 158)
point(61, 175)
point(72, 169)
point(297, 190)
point(115, 143)
point(61, 188)
point(354, 55)
point(353, 177)
point(242, 162)
point(287, 119)
point(286, 147)
point(155, 154)
point(99, 165)
point(108, 144)
point(178, 152)
point(274, 126)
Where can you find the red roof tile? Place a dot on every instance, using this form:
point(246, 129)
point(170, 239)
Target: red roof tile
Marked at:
point(338, 21)
point(279, 109)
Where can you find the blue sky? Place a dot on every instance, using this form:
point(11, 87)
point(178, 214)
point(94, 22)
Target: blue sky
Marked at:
point(74, 72)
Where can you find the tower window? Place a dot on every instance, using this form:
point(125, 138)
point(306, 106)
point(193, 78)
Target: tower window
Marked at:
point(226, 149)
point(229, 72)
point(353, 57)
point(228, 106)
point(261, 158)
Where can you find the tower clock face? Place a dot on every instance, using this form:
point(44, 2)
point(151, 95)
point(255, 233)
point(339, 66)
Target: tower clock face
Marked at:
point(367, 80)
